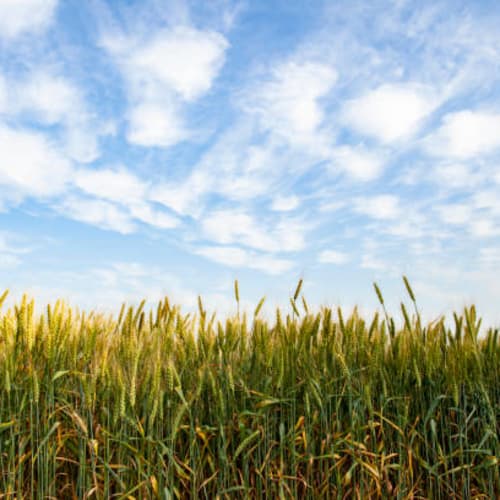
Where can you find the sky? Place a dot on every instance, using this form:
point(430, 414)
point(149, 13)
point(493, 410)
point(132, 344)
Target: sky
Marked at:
point(169, 147)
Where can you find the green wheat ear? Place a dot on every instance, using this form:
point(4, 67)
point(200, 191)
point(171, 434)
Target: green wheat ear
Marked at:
point(259, 307)
point(408, 288)
point(379, 293)
point(297, 290)
point(294, 307)
point(3, 297)
point(236, 291)
point(200, 306)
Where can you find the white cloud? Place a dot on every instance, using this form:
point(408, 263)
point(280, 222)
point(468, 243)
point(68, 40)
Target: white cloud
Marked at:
point(236, 169)
point(455, 213)
point(117, 185)
point(487, 199)
point(240, 174)
point(484, 228)
point(98, 213)
point(81, 143)
point(241, 168)
point(480, 214)
point(4, 99)
point(49, 100)
point(213, 173)
point(490, 255)
point(369, 261)
point(289, 104)
point(331, 206)
point(8, 261)
point(31, 165)
point(465, 134)
point(246, 171)
point(236, 227)
point(53, 99)
point(123, 187)
point(237, 257)
point(23, 16)
point(184, 59)
point(229, 227)
point(333, 257)
point(285, 203)
point(148, 215)
point(455, 175)
point(7, 247)
point(9, 254)
point(163, 73)
point(183, 197)
point(151, 124)
point(358, 163)
point(383, 207)
point(413, 226)
point(390, 112)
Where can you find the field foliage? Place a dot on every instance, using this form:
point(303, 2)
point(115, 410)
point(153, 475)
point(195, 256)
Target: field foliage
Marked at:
point(161, 404)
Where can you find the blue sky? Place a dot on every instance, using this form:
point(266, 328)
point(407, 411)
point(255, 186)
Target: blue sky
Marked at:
point(169, 147)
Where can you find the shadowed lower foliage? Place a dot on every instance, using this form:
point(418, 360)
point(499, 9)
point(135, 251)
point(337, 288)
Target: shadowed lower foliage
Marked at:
point(166, 405)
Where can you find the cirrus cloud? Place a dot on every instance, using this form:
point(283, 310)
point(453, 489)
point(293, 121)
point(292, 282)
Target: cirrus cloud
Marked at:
point(18, 17)
point(390, 112)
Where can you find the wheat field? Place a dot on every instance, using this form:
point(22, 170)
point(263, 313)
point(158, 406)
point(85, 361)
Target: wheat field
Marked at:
point(324, 404)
